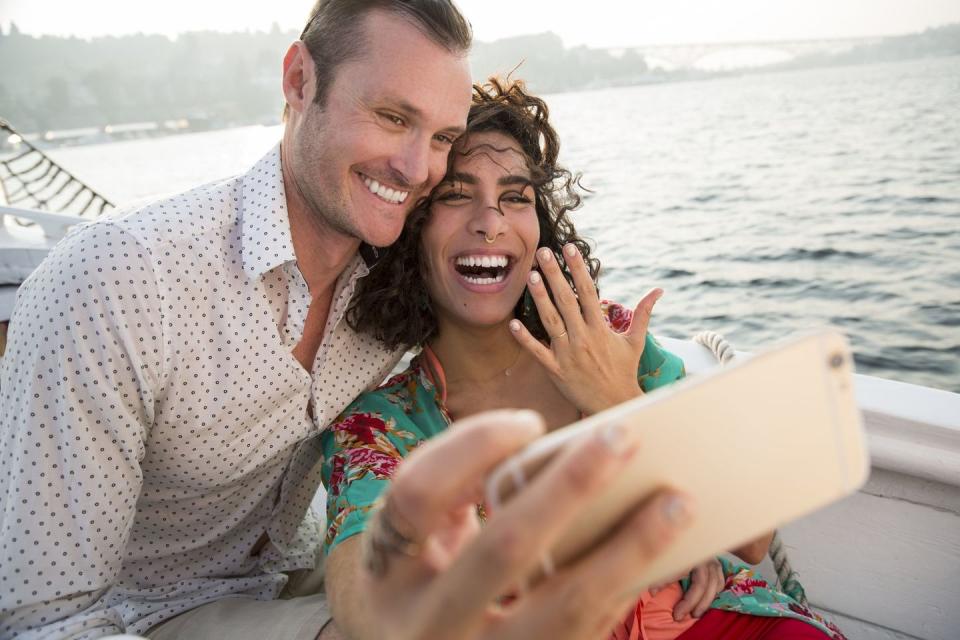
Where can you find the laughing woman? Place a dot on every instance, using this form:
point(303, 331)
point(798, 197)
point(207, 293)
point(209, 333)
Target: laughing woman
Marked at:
point(467, 283)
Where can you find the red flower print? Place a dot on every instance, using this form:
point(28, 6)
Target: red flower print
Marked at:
point(336, 476)
point(381, 464)
point(619, 317)
point(362, 427)
point(744, 586)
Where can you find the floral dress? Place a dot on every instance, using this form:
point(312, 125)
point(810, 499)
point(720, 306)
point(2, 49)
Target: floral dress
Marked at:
point(366, 443)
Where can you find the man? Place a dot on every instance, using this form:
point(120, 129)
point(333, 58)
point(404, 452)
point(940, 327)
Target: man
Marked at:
point(169, 368)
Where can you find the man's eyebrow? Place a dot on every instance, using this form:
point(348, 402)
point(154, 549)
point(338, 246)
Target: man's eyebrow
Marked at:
point(406, 107)
point(411, 110)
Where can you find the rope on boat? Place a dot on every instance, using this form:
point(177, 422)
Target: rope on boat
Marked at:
point(30, 179)
point(788, 578)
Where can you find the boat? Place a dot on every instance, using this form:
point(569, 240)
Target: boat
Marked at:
point(883, 563)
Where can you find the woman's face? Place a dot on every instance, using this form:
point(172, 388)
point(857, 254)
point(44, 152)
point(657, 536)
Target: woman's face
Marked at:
point(480, 238)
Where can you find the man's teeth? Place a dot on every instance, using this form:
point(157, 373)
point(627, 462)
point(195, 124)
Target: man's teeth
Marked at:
point(390, 195)
point(483, 261)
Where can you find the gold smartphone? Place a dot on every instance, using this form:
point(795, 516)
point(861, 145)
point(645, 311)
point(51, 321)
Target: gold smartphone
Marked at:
point(756, 444)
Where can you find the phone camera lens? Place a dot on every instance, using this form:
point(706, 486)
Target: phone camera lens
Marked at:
point(836, 360)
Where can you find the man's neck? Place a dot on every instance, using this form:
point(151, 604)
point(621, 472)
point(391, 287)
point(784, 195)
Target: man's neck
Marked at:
point(322, 253)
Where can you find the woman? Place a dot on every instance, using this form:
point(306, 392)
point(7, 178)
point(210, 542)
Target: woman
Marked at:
point(460, 283)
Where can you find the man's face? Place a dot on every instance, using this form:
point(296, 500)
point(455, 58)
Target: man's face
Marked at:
point(380, 142)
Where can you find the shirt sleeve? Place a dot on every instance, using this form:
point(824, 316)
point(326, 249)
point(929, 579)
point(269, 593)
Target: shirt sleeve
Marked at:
point(658, 367)
point(77, 386)
point(361, 452)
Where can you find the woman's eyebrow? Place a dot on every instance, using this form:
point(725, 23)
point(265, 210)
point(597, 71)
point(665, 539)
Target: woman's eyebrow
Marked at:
point(514, 180)
point(459, 176)
point(503, 181)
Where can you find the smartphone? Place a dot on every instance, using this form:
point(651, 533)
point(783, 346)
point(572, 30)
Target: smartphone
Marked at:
point(756, 444)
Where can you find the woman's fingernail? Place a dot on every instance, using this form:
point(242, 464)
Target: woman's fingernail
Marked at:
point(570, 250)
point(534, 277)
point(528, 419)
point(613, 435)
point(676, 510)
point(515, 326)
point(544, 254)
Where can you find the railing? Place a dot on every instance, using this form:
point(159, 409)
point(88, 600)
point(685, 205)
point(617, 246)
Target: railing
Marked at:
point(54, 225)
point(31, 178)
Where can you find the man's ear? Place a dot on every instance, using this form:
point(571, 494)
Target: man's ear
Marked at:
point(299, 82)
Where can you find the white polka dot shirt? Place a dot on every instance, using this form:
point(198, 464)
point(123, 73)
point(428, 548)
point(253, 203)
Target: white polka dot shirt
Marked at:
point(154, 423)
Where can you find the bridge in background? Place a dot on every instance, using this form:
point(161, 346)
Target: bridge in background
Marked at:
point(711, 56)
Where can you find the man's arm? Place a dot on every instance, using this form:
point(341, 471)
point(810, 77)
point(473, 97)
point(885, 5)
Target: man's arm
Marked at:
point(83, 360)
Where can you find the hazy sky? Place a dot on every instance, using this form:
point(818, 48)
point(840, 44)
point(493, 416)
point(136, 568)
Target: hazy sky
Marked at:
point(599, 23)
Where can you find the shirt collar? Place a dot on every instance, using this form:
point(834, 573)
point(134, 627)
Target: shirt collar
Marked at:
point(266, 241)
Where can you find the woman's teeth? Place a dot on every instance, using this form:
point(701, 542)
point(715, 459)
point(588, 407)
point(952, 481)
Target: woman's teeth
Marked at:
point(483, 261)
point(478, 280)
point(485, 269)
point(392, 196)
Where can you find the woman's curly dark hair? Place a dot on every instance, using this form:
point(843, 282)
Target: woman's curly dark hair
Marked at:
point(392, 303)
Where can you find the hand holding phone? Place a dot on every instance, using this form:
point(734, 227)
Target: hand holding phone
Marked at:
point(755, 445)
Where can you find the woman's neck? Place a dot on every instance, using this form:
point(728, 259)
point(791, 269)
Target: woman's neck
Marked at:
point(477, 355)
point(484, 369)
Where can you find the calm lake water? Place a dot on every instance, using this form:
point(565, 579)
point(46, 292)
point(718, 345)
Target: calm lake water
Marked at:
point(763, 204)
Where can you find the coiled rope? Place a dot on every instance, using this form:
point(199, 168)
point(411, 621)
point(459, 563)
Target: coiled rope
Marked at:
point(787, 578)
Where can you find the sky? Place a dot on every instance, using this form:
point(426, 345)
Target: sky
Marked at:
point(607, 23)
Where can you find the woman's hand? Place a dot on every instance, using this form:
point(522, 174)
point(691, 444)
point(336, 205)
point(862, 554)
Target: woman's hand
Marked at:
point(706, 581)
point(435, 576)
point(593, 366)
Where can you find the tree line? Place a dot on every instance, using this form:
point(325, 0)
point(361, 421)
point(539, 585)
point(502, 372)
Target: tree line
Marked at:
point(218, 79)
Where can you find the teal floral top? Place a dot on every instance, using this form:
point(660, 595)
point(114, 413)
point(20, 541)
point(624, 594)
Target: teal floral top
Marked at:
point(364, 446)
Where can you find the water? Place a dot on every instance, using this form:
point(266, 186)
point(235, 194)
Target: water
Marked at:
point(763, 204)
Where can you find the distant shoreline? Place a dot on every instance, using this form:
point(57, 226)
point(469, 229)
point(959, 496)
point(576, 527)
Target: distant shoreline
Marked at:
point(57, 139)
point(210, 81)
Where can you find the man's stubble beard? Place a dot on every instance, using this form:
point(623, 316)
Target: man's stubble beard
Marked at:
point(323, 212)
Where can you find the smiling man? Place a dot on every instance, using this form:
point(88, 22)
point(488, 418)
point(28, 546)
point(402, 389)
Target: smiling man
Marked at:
point(169, 367)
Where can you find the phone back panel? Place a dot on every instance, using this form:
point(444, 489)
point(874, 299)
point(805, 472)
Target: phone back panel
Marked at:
point(756, 445)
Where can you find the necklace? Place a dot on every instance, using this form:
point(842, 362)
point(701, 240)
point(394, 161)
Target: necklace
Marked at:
point(506, 371)
point(509, 370)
